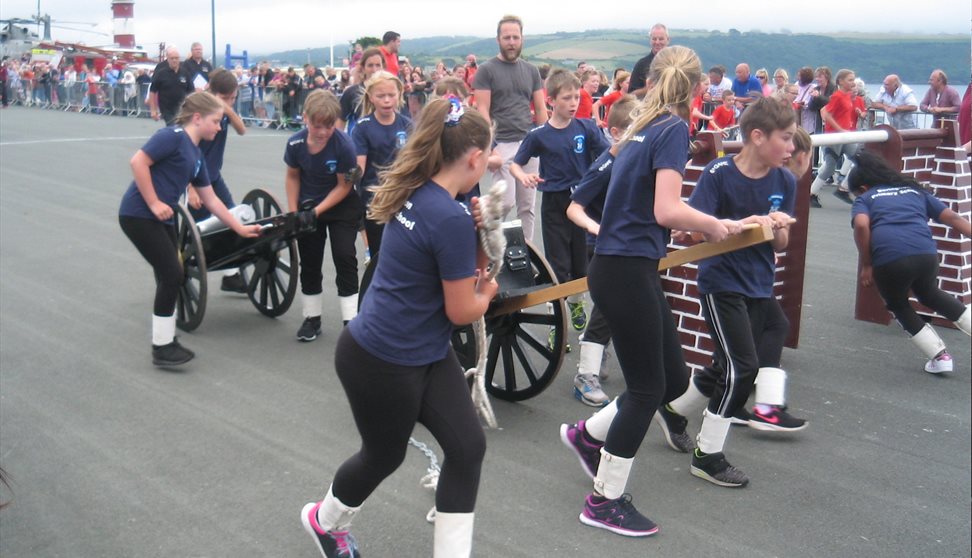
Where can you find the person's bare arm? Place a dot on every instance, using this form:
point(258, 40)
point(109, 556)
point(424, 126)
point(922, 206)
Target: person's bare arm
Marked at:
point(540, 107)
point(483, 100)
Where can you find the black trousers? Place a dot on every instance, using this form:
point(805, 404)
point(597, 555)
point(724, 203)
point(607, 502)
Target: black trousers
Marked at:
point(628, 290)
point(918, 274)
point(749, 334)
point(341, 222)
point(156, 242)
point(597, 330)
point(564, 243)
point(387, 400)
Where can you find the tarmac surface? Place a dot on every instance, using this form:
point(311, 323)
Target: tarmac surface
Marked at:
point(110, 456)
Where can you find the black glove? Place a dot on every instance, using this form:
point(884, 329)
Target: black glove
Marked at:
point(307, 220)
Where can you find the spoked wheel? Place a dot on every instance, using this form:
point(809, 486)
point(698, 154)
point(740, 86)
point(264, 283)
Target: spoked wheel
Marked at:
point(526, 347)
point(271, 277)
point(191, 303)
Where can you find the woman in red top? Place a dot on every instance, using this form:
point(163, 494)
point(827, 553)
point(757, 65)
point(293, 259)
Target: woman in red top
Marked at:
point(839, 115)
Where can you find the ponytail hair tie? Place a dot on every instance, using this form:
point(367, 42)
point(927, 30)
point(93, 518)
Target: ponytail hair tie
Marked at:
point(455, 111)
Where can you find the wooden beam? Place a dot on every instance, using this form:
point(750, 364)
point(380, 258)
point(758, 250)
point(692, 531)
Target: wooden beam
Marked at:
point(750, 236)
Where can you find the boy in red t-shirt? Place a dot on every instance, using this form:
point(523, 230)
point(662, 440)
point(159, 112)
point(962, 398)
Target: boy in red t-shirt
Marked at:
point(590, 83)
point(724, 116)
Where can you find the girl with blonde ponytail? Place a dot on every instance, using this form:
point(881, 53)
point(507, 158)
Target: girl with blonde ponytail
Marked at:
point(643, 203)
point(395, 360)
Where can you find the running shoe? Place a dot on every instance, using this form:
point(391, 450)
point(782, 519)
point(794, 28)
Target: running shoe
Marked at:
point(233, 284)
point(578, 317)
point(588, 453)
point(673, 426)
point(310, 329)
point(587, 390)
point(776, 420)
point(714, 468)
point(332, 544)
point(844, 196)
point(939, 364)
point(740, 417)
point(618, 516)
point(171, 354)
point(815, 201)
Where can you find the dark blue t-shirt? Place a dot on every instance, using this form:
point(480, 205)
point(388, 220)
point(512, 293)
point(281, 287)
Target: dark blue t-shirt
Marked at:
point(176, 162)
point(628, 226)
point(379, 143)
point(565, 153)
point(724, 192)
point(319, 172)
point(402, 317)
point(213, 150)
point(592, 188)
point(899, 221)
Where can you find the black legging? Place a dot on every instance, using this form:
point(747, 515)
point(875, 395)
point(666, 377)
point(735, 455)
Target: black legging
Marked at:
point(156, 241)
point(341, 221)
point(919, 274)
point(597, 330)
point(386, 401)
point(628, 290)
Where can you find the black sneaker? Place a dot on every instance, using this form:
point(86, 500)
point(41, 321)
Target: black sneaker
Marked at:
point(815, 201)
point(233, 284)
point(172, 354)
point(741, 417)
point(310, 329)
point(618, 516)
point(776, 420)
point(714, 468)
point(843, 195)
point(673, 426)
point(589, 454)
point(332, 544)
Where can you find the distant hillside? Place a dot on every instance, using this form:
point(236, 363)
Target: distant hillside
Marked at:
point(871, 55)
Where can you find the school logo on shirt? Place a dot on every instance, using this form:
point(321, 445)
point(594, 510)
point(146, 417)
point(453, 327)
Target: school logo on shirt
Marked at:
point(401, 136)
point(331, 166)
point(776, 201)
point(579, 143)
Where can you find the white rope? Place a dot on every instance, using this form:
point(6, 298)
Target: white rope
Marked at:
point(493, 241)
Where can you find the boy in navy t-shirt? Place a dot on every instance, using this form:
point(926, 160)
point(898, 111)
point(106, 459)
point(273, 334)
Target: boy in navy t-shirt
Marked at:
point(587, 203)
point(318, 157)
point(744, 317)
point(566, 147)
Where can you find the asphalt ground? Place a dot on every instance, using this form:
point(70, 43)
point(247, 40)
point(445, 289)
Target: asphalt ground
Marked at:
point(109, 456)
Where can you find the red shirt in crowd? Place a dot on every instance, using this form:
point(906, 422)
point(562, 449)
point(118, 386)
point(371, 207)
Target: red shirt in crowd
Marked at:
point(585, 105)
point(391, 60)
point(841, 108)
point(724, 116)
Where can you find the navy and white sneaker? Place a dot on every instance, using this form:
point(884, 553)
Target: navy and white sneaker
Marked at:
point(332, 544)
point(618, 516)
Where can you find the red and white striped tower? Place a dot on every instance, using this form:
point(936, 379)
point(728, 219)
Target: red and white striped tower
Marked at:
point(123, 14)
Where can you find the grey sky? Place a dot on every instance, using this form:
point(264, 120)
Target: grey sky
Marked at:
point(261, 26)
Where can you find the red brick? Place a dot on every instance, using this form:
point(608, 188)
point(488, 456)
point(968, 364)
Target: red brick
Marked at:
point(684, 305)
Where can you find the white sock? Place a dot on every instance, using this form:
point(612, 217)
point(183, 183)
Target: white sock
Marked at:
point(590, 358)
point(689, 402)
point(770, 386)
point(349, 307)
point(598, 425)
point(712, 435)
point(334, 515)
point(163, 329)
point(312, 305)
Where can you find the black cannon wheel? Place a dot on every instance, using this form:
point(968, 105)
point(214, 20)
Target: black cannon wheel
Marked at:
point(528, 345)
point(271, 277)
point(191, 304)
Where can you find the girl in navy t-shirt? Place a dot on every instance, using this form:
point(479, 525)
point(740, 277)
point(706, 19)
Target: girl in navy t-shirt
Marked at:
point(163, 168)
point(377, 138)
point(898, 254)
point(318, 159)
point(395, 360)
point(643, 202)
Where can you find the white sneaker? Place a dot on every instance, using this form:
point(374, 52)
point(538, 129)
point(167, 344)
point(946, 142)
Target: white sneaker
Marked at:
point(939, 364)
point(587, 390)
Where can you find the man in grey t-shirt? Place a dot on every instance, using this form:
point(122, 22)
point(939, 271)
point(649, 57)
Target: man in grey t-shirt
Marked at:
point(505, 86)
